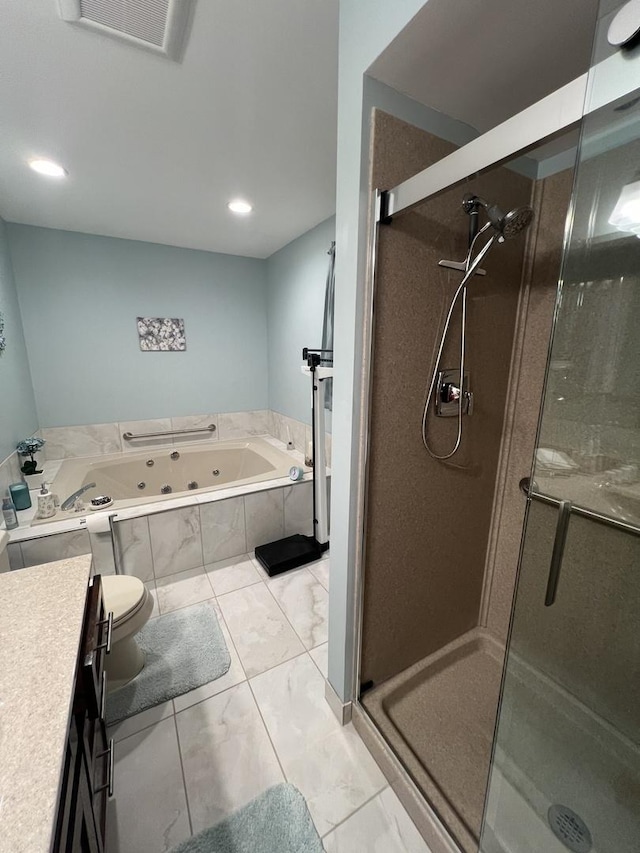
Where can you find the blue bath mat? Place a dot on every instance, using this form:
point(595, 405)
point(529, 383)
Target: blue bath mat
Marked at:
point(184, 649)
point(277, 821)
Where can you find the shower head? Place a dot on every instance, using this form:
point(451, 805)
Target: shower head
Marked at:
point(506, 224)
point(515, 221)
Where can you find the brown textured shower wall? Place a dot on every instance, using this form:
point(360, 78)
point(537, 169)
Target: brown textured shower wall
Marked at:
point(428, 522)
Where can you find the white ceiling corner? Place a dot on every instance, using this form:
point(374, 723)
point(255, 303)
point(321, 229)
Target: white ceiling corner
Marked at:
point(156, 148)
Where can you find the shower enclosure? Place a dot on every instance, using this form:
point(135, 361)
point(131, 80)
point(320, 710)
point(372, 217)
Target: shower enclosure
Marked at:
point(499, 660)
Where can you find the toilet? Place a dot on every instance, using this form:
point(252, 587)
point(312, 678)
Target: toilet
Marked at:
point(131, 604)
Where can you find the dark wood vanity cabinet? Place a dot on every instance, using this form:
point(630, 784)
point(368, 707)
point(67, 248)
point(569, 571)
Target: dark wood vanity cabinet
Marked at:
point(87, 779)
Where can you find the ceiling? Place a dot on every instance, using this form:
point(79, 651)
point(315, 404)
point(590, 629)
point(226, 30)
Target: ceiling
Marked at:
point(482, 61)
point(155, 149)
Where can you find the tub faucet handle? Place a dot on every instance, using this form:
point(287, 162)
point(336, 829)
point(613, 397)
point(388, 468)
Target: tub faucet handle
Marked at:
point(73, 498)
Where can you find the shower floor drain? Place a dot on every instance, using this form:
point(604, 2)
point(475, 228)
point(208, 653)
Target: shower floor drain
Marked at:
point(569, 828)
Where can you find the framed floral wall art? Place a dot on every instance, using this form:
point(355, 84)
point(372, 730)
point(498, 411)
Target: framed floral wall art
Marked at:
point(161, 334)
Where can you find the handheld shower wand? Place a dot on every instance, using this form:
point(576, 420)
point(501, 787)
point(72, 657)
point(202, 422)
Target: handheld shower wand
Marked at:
point(505, 226)
point(471, 267)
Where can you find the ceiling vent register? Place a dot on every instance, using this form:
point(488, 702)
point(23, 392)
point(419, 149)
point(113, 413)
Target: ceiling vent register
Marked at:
point(157, 25)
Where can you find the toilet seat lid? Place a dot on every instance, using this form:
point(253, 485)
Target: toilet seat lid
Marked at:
point(122, 595)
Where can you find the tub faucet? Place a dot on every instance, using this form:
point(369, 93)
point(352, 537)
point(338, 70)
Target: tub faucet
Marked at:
point(69, 502)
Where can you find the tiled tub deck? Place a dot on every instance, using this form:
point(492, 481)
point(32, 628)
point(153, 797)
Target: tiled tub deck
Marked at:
point(153, 543)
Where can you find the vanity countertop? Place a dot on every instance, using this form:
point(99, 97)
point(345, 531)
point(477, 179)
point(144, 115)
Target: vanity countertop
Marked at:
point(40, 631)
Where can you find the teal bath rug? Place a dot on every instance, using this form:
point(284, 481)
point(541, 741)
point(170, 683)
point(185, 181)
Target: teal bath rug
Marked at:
point(184, 650)
point(277, 821)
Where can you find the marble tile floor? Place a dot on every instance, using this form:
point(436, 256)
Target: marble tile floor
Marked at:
point(184, 765)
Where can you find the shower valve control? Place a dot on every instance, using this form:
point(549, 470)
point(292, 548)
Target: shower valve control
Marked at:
point(448, 392)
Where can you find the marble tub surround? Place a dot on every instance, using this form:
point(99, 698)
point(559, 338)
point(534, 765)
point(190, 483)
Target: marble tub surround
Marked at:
point(287, 429)
point(181, 533)
point(141, 428)
point(49, 549)
point(195, 422)
point(176, 542)
point(133, 546)
point(298, 510)
point(88, 440)
point(223, 529)
point(164, 543)
point(37, 679)
point(98, 439)
point(101, 439)
point(67, 442)
point(264, 517)
point(239, 424)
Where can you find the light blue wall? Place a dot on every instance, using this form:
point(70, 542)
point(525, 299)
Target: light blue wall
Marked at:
point(296, 278)
point(365, 30)
point(17, 404)
point(80, 296)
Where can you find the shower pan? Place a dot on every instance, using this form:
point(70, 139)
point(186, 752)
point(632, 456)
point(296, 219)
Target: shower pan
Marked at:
point(498, 657)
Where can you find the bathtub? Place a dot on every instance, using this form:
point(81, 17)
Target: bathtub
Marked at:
point(173, 471)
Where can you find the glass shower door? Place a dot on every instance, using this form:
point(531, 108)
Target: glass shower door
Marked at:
point(565, 771)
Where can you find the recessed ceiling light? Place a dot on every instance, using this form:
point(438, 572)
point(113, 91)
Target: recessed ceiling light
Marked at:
point(47, 167)
point(239, 206)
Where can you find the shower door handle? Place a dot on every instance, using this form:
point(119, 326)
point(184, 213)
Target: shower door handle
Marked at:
point(557, 555)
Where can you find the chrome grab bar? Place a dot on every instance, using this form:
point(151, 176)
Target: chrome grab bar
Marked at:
point(129, 436)
point(583, 512)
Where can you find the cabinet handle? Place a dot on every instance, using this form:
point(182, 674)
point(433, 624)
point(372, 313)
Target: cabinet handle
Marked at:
point(103, 698)
point(107, 643)
point(108, 785)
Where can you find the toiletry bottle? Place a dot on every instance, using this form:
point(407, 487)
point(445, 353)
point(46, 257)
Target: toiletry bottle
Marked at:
point(9, 513)
point(46, 503)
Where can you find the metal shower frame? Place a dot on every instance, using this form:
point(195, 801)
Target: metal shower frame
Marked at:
point(562, 110)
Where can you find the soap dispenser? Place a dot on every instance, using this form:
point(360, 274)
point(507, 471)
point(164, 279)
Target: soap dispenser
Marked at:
point(46, 503)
